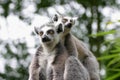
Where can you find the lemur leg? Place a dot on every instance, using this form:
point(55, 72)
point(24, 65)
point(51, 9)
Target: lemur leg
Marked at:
point(93, 67)
point(35, 72)
point(34, 69)
point(58, 65)
point(74, 70)
point(58, 72)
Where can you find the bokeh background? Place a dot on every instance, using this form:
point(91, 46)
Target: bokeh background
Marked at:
point(98, 26)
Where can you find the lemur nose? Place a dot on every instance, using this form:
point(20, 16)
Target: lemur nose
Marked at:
point(69, 25)
point(45, 39)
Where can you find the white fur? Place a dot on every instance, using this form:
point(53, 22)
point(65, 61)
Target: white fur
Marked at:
point(59, 22)
point(46, 60)
point(71, 18)
point(45, 29)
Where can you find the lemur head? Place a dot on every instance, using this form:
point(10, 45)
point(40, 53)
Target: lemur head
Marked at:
point(49, 33)
point(67, 21)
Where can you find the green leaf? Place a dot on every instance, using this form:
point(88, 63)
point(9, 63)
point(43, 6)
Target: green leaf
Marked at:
point(117, 65)
point(103, 33)
point(115, 51)
point(108, 57)
point(108, 23)
point(114, 76)
point(115, 70)
point(116, 59)
point(118, 20)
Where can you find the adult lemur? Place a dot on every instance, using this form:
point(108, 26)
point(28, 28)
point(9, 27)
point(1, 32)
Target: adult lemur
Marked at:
point(85, 55)
point(52, 61)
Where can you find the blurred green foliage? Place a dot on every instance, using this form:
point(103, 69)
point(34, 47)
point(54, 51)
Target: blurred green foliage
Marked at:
point(109, 58)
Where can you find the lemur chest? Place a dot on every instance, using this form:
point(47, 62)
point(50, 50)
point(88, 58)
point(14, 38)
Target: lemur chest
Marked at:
point(46, 59)
point(51, 59)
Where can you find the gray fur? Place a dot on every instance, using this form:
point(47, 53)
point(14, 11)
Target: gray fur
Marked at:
point(76, 48)
point(36, 72)
point(53, 62)
point(88, 59)
point(70, 45)
point(74, 70)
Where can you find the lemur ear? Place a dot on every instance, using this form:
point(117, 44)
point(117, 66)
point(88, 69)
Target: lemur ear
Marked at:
point(60, 28)
point(36, 30)
point(74, 19)
point(55, 18)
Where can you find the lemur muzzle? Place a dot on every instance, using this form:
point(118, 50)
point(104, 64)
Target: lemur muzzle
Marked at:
point(69, 25)
point(45, 39)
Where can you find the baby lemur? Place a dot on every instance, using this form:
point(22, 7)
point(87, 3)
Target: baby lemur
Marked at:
point(52, 61)
point(73, 45)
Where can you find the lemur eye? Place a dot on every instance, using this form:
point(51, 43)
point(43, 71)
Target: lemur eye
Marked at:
point(50, 32)
point(71, 20)
point(41, 33)
point(64, 20)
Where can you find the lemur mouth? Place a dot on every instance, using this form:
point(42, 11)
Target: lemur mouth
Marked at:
point(68, 25)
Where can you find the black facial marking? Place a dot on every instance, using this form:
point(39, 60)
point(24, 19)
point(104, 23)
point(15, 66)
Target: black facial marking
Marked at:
point(36, 31)
point(71, 20)
point(45, 39)
point(41, 33)
point(64, 20)
point(55, 18)
point(60, 29)
point(69, 25)
point(50, 31)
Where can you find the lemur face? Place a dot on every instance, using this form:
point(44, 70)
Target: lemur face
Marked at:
point(67, 21)
point(58, 24)
point(49, 33)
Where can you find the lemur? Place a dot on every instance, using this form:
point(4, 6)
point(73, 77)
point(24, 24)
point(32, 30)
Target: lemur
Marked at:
point(84, 54)
point(52, 61)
